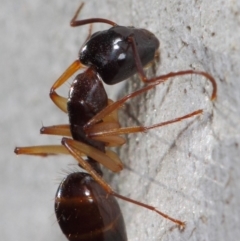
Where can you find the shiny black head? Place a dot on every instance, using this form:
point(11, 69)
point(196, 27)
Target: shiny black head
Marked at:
point(111, 53)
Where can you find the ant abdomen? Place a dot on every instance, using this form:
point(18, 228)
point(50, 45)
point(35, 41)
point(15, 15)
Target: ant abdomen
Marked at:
point(86, 212)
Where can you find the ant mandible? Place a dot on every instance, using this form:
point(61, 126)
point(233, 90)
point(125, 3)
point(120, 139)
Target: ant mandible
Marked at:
point(111, 56)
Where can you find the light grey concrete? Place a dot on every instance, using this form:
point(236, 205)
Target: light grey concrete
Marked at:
point(189, 170)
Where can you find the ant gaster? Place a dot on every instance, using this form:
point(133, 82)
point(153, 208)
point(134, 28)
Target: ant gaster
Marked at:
point(111, 56)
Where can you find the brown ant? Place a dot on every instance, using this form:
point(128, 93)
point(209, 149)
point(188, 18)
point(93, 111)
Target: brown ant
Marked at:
point(111, 56)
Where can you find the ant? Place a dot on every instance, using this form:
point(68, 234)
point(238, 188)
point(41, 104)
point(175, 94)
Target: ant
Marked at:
point(110, 56)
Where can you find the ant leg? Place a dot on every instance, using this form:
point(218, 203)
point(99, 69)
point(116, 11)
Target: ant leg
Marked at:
point(128, 130)
point(74, 150)
point(58, 130)
point(110, 141)
point(89, 34)
point(43, 151)
point(76, 23)
point(165, 77)
point(187, 72)
point(109, 159)
point(154, 82)
point(113, 116)
point(180, 223)
point(117, 104)
point(58, 100)
point(70, 145)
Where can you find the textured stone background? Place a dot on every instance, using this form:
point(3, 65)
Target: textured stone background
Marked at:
point(189, 170)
